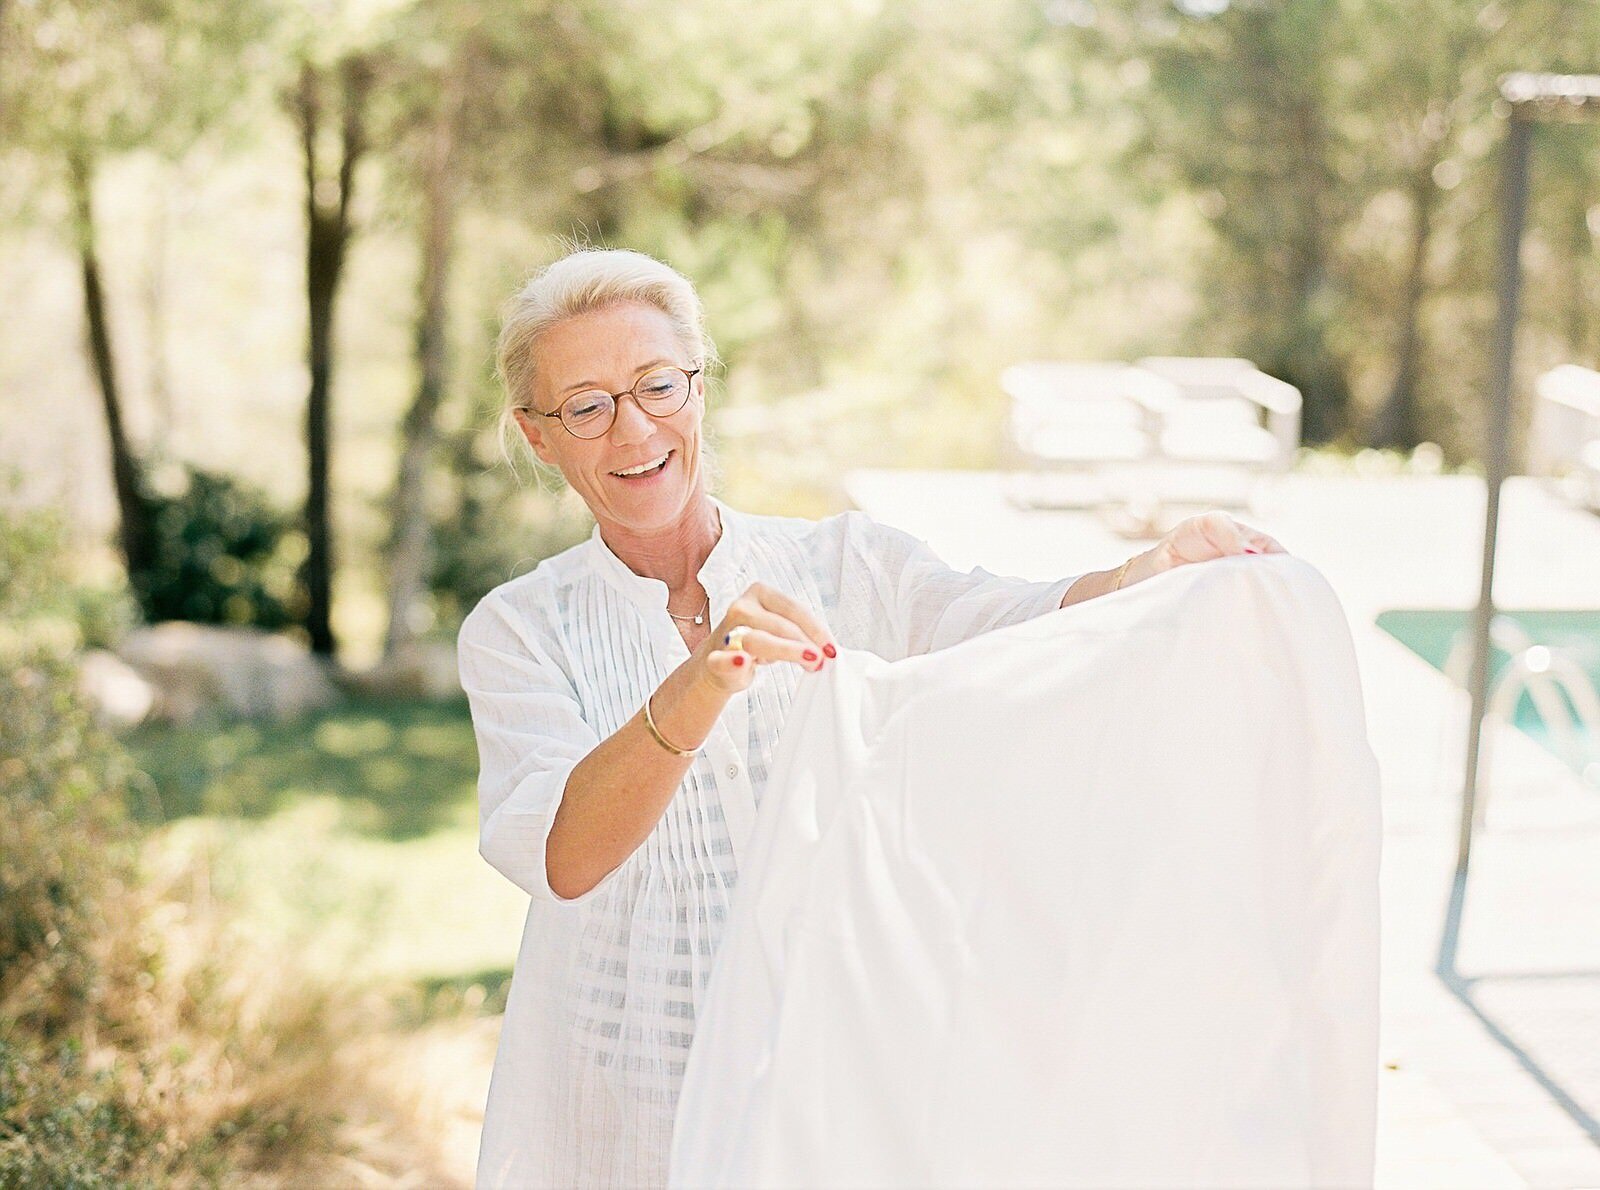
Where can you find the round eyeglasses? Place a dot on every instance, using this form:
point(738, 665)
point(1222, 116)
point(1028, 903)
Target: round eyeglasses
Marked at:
point(661, 392)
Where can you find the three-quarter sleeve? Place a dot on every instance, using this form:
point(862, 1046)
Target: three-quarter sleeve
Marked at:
point(926, 605)
point(531, 734)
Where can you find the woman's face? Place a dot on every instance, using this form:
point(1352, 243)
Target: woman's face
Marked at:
point(611, 349)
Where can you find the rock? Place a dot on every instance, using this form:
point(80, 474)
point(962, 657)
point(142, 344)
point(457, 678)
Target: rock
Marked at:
point(424, 669)
point(198, 670)
point(121, 698)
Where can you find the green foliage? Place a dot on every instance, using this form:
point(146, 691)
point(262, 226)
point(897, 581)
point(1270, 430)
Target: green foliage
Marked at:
point(64, 1128)
point(84, 79)
point(62, 839)
point(1340, 157)
point(222, 554)
point(882, 204)
point(43, 605)
point(65, 856)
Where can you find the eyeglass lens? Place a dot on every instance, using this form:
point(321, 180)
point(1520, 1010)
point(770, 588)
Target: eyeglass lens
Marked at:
point(660, 393)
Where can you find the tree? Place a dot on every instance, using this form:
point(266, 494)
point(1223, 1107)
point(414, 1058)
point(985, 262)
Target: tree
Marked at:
point(329, 106)
point(410, 540)
point(1243, 103)
point(1425, 73)
point(84, 83)
point(134, 529)
point(481, 103)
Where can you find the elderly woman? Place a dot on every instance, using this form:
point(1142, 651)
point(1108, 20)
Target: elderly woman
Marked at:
point(627, 694)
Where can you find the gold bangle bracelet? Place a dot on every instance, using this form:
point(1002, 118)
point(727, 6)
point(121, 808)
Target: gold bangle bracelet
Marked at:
point(650, 723)
point(1122, 573)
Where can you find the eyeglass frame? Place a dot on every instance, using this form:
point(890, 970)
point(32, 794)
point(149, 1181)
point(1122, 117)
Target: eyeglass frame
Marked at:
point(616, 399)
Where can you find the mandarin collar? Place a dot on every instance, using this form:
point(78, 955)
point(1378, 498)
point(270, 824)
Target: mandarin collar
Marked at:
point(715, 574)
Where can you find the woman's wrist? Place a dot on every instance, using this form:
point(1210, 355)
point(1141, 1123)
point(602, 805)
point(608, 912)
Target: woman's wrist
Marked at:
point(1141, 567)
point(1102, 582)
point(685, 707)
point(655, 731)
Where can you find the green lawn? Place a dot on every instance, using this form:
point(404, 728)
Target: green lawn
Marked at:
point(350, 834)
point(398, 770)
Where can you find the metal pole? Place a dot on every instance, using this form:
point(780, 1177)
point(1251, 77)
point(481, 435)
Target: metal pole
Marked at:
point(1497, 458)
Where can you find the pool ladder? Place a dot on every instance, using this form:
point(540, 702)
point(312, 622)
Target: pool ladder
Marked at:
point(1556, 685)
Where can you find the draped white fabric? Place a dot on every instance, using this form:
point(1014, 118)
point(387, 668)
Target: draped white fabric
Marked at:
point(1090, 901)
point(607, 986)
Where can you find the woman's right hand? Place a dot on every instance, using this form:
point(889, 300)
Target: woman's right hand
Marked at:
point(779, 629)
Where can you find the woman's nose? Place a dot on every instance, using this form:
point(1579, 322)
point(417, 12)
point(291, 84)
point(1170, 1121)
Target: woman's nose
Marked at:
point(632, 423)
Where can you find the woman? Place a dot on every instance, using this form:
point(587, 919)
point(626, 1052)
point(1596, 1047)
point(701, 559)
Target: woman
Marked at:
point(626, 696)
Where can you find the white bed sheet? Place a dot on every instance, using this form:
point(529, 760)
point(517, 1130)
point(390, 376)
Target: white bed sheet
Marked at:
point(1089, 901)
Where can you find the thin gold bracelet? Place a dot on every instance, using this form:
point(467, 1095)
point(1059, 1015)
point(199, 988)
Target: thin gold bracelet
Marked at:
point(649, 722)
point(1122, 573)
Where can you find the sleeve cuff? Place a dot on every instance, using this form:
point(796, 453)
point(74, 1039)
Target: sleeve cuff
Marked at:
point(516, 842)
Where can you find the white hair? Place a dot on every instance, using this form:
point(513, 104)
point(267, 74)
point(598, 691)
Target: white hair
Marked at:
point(584, 280)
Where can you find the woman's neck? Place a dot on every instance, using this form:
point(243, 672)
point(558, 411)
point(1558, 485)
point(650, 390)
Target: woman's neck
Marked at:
point(673, 554)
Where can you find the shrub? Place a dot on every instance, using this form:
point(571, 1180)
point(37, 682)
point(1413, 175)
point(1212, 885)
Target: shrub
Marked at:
point(222, 554)
point(66, 856)
point(49, 1137)
point(62, 836)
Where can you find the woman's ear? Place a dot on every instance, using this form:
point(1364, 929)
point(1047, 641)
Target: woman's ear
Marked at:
point(533, 429)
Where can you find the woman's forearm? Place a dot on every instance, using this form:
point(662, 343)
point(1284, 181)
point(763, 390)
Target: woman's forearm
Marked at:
point(1103, 582)
point(1194, 539)
point(615, 795)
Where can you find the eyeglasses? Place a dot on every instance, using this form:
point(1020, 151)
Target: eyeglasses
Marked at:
point(660, 392)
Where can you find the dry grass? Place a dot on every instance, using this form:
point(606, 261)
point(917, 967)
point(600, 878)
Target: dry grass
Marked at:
point(203, 1058)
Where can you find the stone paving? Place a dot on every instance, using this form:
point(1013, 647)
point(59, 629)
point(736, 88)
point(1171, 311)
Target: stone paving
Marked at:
point(1493, 1081)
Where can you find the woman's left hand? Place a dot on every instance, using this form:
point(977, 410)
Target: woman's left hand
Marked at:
point(1200, 539)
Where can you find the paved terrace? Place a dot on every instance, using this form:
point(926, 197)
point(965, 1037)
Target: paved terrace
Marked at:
point(1500, 1087)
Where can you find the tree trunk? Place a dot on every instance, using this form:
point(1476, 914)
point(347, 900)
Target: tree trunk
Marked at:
point(157, 307)
point(1395, 423)
point(1580, 251)
point(411, 544)
point(134, 533)
point(328, 231)
point(1308, 361)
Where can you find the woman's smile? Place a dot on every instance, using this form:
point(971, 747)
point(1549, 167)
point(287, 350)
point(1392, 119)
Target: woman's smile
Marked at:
point(644, 472)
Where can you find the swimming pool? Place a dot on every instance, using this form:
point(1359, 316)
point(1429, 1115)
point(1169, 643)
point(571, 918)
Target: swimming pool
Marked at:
point(1556, 655)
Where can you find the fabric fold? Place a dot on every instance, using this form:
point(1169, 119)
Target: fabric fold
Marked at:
point(1086, 901)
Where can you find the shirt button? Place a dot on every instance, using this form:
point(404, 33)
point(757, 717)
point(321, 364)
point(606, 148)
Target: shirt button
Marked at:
point(732, 770)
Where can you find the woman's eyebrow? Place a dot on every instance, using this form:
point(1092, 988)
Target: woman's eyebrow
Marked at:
point(642, 369)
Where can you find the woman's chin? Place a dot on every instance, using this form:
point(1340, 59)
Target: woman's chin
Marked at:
point(655, 503)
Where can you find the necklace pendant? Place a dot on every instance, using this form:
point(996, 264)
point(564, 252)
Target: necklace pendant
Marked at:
point(699, 619)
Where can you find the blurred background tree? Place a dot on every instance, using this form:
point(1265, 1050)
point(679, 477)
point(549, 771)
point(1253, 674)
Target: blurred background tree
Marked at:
point(82, 85)
point(883, 204)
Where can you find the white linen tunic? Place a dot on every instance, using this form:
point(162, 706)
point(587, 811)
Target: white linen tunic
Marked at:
point(607, 985)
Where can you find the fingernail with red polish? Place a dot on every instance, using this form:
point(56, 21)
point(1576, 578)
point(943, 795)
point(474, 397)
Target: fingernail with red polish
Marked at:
point(1250, 549)
point(830, 650)
point(739, 660)
point(809, 654)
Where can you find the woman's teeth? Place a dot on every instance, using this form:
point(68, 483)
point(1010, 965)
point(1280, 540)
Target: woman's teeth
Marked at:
point(645, 467)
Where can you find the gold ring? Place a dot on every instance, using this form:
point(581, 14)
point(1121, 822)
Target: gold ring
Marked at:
point(735, 637)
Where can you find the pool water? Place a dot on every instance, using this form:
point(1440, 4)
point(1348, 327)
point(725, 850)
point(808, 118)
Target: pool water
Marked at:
point(1431, 633)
